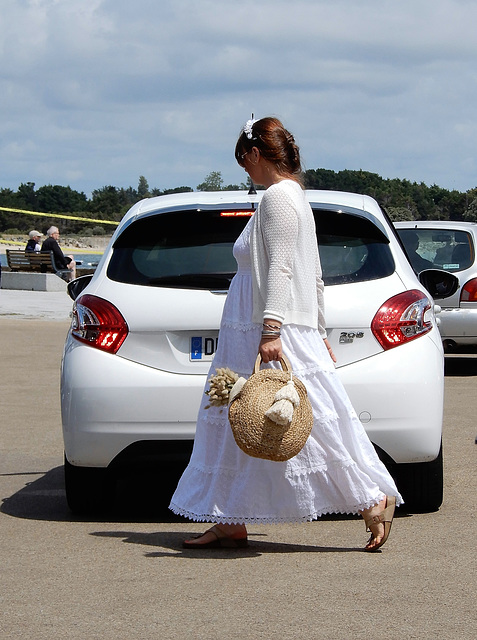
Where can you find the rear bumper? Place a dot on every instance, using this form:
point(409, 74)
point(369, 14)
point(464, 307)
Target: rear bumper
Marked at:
point(403, 417)
point(109, 403)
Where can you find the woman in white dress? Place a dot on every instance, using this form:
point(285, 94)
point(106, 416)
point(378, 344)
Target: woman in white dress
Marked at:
point(274, 307)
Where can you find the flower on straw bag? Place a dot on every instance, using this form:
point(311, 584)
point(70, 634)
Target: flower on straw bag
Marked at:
point(220, 386)
point(270, 414)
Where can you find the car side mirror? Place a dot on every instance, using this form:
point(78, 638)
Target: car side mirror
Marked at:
point(439, 283)
point(75, 287)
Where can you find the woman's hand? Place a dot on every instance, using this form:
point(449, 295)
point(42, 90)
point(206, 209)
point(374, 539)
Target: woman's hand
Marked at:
point(330, 350)
point(270, 349)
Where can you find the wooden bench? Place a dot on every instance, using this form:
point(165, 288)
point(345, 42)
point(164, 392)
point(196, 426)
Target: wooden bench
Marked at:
point(44, 262)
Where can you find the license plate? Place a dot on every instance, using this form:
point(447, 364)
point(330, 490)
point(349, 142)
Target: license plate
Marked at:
point(203, 348)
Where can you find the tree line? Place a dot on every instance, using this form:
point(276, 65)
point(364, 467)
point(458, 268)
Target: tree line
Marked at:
point(403, 200)
point(106, 203)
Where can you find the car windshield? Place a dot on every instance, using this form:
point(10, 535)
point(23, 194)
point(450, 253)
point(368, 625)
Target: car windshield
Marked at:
point(193, 249)
point(448, 249)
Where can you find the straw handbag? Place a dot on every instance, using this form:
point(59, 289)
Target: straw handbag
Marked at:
point(270, 413)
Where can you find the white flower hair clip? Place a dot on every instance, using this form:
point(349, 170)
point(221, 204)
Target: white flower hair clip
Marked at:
point(248, 128)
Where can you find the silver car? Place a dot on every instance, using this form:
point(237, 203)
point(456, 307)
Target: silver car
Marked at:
point(451, 246)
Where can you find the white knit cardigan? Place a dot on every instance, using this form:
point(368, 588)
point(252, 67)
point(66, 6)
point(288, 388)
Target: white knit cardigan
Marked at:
point(286, 269)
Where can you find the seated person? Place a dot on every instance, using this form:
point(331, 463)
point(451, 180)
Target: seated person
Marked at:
point(61, 261)
point(33, 243)
point(411, 242)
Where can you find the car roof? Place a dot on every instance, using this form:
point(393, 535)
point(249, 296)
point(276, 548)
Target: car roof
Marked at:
point(196, 199)
point(436, 224)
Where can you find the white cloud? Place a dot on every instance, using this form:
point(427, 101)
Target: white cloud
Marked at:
point(103, 91)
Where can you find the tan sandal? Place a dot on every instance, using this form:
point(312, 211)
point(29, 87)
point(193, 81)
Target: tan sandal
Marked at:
point(386, 517)
point(222, 541)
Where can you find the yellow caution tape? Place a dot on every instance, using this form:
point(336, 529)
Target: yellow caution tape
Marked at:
point(58, 215)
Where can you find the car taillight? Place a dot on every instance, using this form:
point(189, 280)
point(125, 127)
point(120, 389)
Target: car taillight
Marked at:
point(234, 214)
point(469, 291)
point(402, 318)
point(98, 323)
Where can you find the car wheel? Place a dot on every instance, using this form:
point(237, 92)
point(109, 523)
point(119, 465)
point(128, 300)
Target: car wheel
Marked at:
point(88, 489)
point(420, 484)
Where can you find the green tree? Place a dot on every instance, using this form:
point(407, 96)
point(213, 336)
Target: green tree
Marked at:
point(26, 196)
point(128, 197)
point(58, 199)
point(238, 187)
point(320, 179)
point(452, 205)
point(8, 198)
point(142, 188)
point(212, 182)
point(398, 214)
point(177, 190)
point(106, 204)
point(470, 214)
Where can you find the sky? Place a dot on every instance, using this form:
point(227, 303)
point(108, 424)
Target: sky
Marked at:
point(100, 92)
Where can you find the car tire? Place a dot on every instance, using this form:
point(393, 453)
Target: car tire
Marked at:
point(420, 484)
point(88, 489)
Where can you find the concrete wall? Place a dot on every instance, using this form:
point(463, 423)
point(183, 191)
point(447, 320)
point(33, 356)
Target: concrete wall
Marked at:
point(32, 281)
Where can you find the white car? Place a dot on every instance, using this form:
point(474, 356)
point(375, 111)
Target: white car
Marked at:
point(449, 245)
point(145, 328)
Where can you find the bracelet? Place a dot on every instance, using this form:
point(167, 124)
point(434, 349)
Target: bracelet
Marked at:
point(275, 334)
point(272, 327)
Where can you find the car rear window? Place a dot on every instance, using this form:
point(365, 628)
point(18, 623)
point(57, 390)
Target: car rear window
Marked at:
point(352, 248)
point(193, 249)
point(449, 249)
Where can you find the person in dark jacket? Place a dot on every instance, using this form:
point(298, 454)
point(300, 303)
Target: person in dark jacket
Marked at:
point(33, 243)
point(61, 261)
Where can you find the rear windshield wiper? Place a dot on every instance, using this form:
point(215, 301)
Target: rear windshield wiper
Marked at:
point(194, 281)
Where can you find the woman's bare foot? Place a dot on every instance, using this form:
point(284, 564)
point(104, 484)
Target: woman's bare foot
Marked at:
point(234, 531)
point(377, 528)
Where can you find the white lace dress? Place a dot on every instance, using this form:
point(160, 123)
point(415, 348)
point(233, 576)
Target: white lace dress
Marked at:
point(337, 471)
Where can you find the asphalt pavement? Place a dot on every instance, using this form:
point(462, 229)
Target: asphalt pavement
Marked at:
point(39, 305)
point(124, 576)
